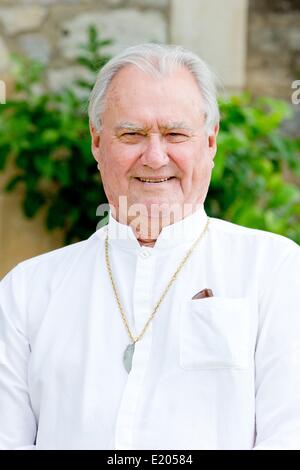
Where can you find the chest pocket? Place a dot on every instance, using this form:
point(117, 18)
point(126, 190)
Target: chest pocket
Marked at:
point(215, 333)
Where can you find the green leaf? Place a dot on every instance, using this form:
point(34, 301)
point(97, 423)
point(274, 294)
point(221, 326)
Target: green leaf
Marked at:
point(13, 182)
point(33, 201)
point(4, 154)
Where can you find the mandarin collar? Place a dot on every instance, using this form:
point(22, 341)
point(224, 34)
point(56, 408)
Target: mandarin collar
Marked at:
point(183, 232)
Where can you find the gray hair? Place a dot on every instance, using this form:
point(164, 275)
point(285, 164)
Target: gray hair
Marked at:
point(157, 60)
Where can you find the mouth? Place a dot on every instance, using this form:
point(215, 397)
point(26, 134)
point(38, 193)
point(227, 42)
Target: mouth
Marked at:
point(154, 180)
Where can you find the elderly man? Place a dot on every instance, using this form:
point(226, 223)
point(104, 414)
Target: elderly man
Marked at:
point(166, 329)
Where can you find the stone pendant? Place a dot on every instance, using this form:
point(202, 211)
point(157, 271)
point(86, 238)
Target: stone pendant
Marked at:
point(127, 357)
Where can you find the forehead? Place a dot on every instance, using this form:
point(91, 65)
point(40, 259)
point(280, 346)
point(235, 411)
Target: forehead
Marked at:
point(136, 95)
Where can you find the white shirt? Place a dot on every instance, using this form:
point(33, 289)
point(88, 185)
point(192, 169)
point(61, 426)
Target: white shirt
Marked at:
point(215, 373)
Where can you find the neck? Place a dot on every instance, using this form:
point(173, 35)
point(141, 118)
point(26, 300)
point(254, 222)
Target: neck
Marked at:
point(149, 243)
point(147, 229)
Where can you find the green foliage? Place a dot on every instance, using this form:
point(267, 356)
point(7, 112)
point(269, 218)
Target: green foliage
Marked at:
point(45, 137)
point(248, 186)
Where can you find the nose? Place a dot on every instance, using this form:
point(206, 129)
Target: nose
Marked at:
point(154, 154)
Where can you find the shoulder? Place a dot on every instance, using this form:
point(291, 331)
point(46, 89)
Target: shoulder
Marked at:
point(239, 232)
point(57, 263)
point(27, 290)
point(257, 242)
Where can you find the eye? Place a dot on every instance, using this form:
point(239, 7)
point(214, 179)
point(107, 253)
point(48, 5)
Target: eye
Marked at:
point(131, 137)
point(177, 137)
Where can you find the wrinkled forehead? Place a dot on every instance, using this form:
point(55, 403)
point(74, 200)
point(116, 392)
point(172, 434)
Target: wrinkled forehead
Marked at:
point(133, 76)
point(135, 92)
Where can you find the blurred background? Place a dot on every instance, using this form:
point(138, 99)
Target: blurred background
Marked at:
point(50, 51)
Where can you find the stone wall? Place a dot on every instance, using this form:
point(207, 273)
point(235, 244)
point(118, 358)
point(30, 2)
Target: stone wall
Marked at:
point(217, 31)
point(273, 58)
point(263, 53)
point(273, 61)
point(51, 30)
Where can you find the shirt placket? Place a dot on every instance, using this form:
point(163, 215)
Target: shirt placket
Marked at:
point(142, 309)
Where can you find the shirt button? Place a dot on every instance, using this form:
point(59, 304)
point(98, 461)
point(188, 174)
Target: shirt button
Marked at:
point(145, 254)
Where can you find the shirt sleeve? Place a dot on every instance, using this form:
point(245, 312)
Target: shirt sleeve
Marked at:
point(17, 420)
point(277, 359)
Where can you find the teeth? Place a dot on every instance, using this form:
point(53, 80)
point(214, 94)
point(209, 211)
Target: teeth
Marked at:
point(146, 180)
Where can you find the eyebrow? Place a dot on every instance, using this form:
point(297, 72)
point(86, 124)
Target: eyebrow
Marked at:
point(126, 125)
point(177, 125)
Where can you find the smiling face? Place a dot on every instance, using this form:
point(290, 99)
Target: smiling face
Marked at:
point(153, 147)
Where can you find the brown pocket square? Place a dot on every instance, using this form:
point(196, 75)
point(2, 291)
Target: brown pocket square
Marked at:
point(203, 294)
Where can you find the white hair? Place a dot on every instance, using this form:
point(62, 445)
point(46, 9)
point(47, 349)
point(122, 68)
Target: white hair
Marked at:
point(157, 60)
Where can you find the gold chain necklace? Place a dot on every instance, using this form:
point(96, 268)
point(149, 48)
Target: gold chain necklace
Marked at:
point(128, 353)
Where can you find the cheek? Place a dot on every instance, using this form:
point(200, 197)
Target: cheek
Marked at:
point(115, 162)
point(202, 170)
point(189, 160)
point(194, 166)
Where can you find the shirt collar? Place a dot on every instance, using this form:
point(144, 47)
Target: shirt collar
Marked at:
point(182, 232)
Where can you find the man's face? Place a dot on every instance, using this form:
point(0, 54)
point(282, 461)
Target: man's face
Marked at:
point(153, 147)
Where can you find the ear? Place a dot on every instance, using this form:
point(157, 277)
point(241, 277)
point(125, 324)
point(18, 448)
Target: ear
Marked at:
point(212, 140)
point(95, 141)
point(212, 137)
